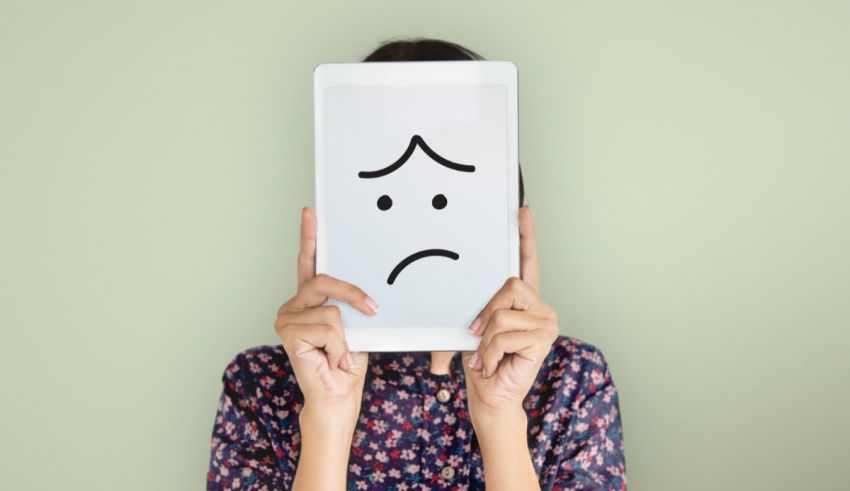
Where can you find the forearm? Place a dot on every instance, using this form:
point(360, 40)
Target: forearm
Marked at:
point(504, 448)
point(325, 446)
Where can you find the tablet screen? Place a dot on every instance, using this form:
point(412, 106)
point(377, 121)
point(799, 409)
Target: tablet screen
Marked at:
point(417, 203)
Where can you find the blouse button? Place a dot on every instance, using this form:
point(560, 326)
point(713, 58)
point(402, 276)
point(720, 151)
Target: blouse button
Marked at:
point(443, 395)
point(447, 473)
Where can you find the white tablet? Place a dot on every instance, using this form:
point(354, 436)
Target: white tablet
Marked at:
point(417, 195)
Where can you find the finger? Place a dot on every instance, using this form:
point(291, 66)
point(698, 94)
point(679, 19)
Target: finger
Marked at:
point(307, 250)
point(319, 288)
point(474, 361)
point(518, 343)
point(505, 320)
point(529, 265)
point(515, 294)
point(359, 360)
point(330, 338)
point(317, 328)
point(468, 358)
point(324, 314)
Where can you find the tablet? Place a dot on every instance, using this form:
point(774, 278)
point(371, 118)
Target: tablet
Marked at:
point(417, 195)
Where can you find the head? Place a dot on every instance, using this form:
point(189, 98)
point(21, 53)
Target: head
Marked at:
point(424, 49)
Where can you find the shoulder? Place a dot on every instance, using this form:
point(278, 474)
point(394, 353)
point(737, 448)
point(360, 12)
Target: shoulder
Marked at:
point(574, 354)
point(257, 360)
point(260, 371)
point(574, 368)
point(576, 417)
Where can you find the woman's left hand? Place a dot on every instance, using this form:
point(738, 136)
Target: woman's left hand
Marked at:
point(517, 329)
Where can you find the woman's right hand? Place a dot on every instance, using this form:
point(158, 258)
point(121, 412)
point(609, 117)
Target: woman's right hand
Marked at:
point(330, 377)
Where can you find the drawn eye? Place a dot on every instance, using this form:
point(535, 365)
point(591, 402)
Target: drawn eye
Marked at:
point(385, 203)
point(439, 201)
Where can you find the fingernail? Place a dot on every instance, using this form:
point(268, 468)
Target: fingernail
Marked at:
point(350, 360)
point(473, 360)
point(371, 305)
point(473, 328)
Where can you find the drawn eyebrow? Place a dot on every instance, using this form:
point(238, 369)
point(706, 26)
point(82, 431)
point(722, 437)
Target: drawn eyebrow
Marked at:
point(415, 141)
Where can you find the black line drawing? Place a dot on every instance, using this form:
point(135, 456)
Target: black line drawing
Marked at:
point(439, 201)
point(419, 255)
point(415, 141)
point(385, 203)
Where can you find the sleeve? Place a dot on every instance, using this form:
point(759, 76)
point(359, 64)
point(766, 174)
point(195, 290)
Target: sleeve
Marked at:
point(242, 456)
point(592, 445)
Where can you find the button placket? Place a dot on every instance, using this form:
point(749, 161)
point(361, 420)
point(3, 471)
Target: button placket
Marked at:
point(441, 425)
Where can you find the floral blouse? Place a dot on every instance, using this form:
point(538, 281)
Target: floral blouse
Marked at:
point(414, 431)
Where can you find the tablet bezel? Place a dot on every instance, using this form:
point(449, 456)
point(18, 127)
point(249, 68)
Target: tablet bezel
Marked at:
point(402, 74)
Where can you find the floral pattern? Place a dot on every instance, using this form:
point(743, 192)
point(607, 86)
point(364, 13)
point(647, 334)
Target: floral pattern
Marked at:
point(406, 436)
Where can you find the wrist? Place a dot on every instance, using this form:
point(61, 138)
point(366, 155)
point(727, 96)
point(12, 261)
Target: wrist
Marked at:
point(488, 416)
point(500, 425)
point(329, 420)
point(326, 436)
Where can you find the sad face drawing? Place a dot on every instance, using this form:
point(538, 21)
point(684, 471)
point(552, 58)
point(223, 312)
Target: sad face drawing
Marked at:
point(438, 202)
point(413, 195)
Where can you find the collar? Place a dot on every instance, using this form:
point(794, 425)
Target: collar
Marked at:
point(415, 362)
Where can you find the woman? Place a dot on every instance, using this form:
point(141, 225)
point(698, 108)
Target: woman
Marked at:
point(529, 409)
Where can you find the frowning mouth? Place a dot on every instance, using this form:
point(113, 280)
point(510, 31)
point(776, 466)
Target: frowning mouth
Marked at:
point(419, 255)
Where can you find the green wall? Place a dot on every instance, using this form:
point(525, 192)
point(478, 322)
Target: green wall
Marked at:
point(688, 164)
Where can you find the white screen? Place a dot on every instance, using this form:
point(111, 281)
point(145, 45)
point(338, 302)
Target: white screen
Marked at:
point(368, 128)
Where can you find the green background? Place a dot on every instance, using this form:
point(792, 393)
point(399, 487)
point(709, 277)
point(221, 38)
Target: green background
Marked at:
point(687, 163)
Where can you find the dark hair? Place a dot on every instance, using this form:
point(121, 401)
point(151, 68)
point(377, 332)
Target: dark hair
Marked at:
point(424, 49)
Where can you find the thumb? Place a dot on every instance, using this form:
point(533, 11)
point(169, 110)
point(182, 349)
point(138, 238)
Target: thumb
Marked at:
point(307, 250)
point(528, 262)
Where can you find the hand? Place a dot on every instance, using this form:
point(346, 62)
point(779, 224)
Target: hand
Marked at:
point(330, 377)
point(517, 329)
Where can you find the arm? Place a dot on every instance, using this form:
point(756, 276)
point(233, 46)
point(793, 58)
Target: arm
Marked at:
point(325, 445)
point(329, 377)
point(593, 441)
point(504, 448)
point(246, 456)
point(241, 454)
point(517, 329)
